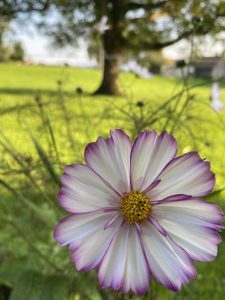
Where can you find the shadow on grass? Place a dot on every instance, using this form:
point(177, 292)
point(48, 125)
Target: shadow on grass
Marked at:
point(49, 95)
point(33, 92)
point(27, 91)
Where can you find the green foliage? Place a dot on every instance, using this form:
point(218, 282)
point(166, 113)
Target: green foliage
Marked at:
point(9, 52)
point(17, 52)
point(4, 50)
point(44, 158)
point(133, 25)
point(45, 125)
point(34, 286)
point(215, 195)
point(4, 53)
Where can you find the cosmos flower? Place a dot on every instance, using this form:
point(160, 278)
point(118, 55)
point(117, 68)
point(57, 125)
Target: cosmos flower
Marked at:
point(216, 102)
point(136, 212)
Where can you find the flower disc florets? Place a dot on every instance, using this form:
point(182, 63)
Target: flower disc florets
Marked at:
point(135, 207)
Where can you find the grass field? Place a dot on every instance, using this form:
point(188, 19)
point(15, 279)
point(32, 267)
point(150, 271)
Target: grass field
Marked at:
point(20, 85)
point(42, 102)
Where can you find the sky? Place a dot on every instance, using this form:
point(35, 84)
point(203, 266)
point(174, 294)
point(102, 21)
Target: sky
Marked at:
point(38, 49)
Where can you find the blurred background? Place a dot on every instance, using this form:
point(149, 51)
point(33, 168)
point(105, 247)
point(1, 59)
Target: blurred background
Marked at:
point(71, 70)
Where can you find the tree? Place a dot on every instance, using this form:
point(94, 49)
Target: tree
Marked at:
point(142, 25)
point(4, 50)
point(17, 52)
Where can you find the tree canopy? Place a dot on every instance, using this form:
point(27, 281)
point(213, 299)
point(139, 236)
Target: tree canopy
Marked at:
point(141, 25)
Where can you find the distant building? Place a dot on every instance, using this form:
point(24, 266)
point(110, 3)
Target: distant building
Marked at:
point(176, 68)
point(209, 67)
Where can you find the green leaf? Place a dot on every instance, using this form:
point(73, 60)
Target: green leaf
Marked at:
point(33, 285)
point(28, 286)
point(215, 195)
point(10, 270)
point(54, 288)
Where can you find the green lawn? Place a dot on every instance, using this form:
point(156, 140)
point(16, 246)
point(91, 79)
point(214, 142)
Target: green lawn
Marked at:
point(41, 101)
point(19, 85)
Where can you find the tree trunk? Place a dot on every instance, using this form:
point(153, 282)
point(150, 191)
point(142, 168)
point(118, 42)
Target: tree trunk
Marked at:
point(109, 84)
point(112, 45)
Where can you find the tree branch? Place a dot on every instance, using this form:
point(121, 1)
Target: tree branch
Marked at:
point(160, 45)
point(148, 6)
point(156, 45)
point(26, 7)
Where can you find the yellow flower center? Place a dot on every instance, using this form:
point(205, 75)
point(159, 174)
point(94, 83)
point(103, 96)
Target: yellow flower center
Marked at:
point(135, 207)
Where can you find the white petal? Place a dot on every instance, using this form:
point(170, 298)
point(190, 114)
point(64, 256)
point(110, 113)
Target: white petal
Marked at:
point(193, 225)
point(89, 251)
point(187, 174)
point(169, 264)
point(150, 154)
point(124, 265)
point(110, 158)
point(76, 227)
point(84, 191)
